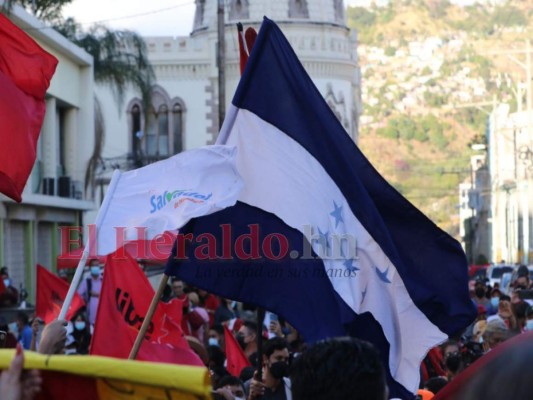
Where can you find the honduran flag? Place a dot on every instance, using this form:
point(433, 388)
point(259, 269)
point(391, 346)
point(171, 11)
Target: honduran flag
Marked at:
point(318, 236)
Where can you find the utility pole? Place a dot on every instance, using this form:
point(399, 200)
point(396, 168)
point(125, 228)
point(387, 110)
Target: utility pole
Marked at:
point(221, 63)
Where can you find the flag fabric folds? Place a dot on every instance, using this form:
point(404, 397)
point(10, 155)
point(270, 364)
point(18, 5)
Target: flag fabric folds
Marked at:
point(318, 236)
point(95, 378)
point(51, 292)
point(25, 74)
point(143, 203)
point(235, 357)
point(124, 301)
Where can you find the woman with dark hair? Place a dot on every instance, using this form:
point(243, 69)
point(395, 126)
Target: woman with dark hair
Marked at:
point(81, 333)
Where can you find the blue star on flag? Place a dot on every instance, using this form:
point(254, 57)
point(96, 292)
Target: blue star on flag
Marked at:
point(383, 275)
point(337, 214)
point(325, 236)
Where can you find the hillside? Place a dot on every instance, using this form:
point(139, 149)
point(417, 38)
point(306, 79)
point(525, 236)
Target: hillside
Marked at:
point(426, 66)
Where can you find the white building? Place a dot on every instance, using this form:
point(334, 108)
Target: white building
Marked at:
point(511, 170)
point(184, 105)
point(54, 195)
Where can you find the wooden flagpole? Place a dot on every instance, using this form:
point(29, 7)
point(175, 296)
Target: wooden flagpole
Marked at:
point(148, 318)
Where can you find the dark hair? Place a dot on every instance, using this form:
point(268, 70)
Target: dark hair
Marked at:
point(229, 380)
point(271, 345)
point(246, 374)
point(23, 317)
point(339, 368)
point(504, 297)
point(519, 309)
point(251, 325)
point(505, 376)
point(435, 384)
point(218, 328)
point(449, 342)
point(216, 355)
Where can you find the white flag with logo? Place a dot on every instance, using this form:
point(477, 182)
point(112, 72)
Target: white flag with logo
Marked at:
point(165, 195)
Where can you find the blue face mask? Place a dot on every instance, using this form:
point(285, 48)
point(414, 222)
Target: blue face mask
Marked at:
point(529, 325)
point(7, 282)
point(79, 325)
point(212, 341)
point(95, 271)
point(494, 301)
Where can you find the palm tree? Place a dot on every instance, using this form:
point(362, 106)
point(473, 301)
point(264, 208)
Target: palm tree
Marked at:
point(120, 60)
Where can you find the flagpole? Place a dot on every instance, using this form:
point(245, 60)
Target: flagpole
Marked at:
point(260, 320)
point(148, 318)
point(81, 264)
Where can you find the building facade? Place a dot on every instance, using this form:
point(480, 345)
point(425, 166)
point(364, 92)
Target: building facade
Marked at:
point(184, 106)
point(511, 172)
point(54, 194)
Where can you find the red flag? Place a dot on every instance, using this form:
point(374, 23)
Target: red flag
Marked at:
point(249, 37)
point(235, 357)
point(124, 301)
point(25, 73)
point(51, 292)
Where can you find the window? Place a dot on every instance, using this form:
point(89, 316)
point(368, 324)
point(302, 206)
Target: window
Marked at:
point(239, 10)
point(177, 128)
point(161, 135)
point(298, 9)
point(136, 133)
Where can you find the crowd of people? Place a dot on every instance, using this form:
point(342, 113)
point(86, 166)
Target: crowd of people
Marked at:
point(337, 368)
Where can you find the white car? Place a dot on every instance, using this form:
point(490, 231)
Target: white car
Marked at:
point(495, 272)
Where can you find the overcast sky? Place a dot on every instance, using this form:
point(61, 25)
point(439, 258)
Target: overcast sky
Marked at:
point(156, 18)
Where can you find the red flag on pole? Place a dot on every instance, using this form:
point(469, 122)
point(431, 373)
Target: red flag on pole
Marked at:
point(246, 42)
point(25, 74)
point(51, 292)
point(124, 301)
point(235, 357)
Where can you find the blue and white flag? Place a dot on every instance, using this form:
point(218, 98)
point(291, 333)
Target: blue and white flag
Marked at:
point(318, 236)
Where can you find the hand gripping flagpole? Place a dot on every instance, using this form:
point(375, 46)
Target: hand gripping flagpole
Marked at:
point(79, 270)
point(148, 318)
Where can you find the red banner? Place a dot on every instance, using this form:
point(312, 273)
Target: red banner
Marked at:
point(25, 74)
point(235, 357)
point(51, 292)
point(124, 301)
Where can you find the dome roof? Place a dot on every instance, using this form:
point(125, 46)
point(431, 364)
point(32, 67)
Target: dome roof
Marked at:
point(252, 11)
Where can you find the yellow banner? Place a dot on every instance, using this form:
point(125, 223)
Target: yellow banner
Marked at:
point(123, 379)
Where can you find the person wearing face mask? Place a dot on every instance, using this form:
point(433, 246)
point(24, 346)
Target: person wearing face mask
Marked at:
point(10, 296)
point(275, 384)
point(215, 337)
point(247, 338)
point(81, 333)
point(90, 291)
point(480, 290)
point(495, 295)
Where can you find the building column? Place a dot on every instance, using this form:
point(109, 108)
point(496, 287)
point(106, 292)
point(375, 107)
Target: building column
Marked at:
point(55, 232)
point(29, 249)
point(49, 135)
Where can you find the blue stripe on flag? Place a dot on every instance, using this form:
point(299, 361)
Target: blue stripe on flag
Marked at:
point(433, 266)
point(297, 289)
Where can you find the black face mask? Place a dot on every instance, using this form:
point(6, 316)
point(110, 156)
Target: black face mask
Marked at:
point(520, 287)
point(453, 362)
point(480, 292)
point(240, 340)
point(279, 369)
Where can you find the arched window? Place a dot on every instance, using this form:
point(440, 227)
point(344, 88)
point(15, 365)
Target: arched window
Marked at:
point(298, 9)
point(177, 128)
point(151, 135)
point(162, 122)
point(136, 133)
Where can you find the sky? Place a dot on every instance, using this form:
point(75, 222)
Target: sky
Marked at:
point(155, 18)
